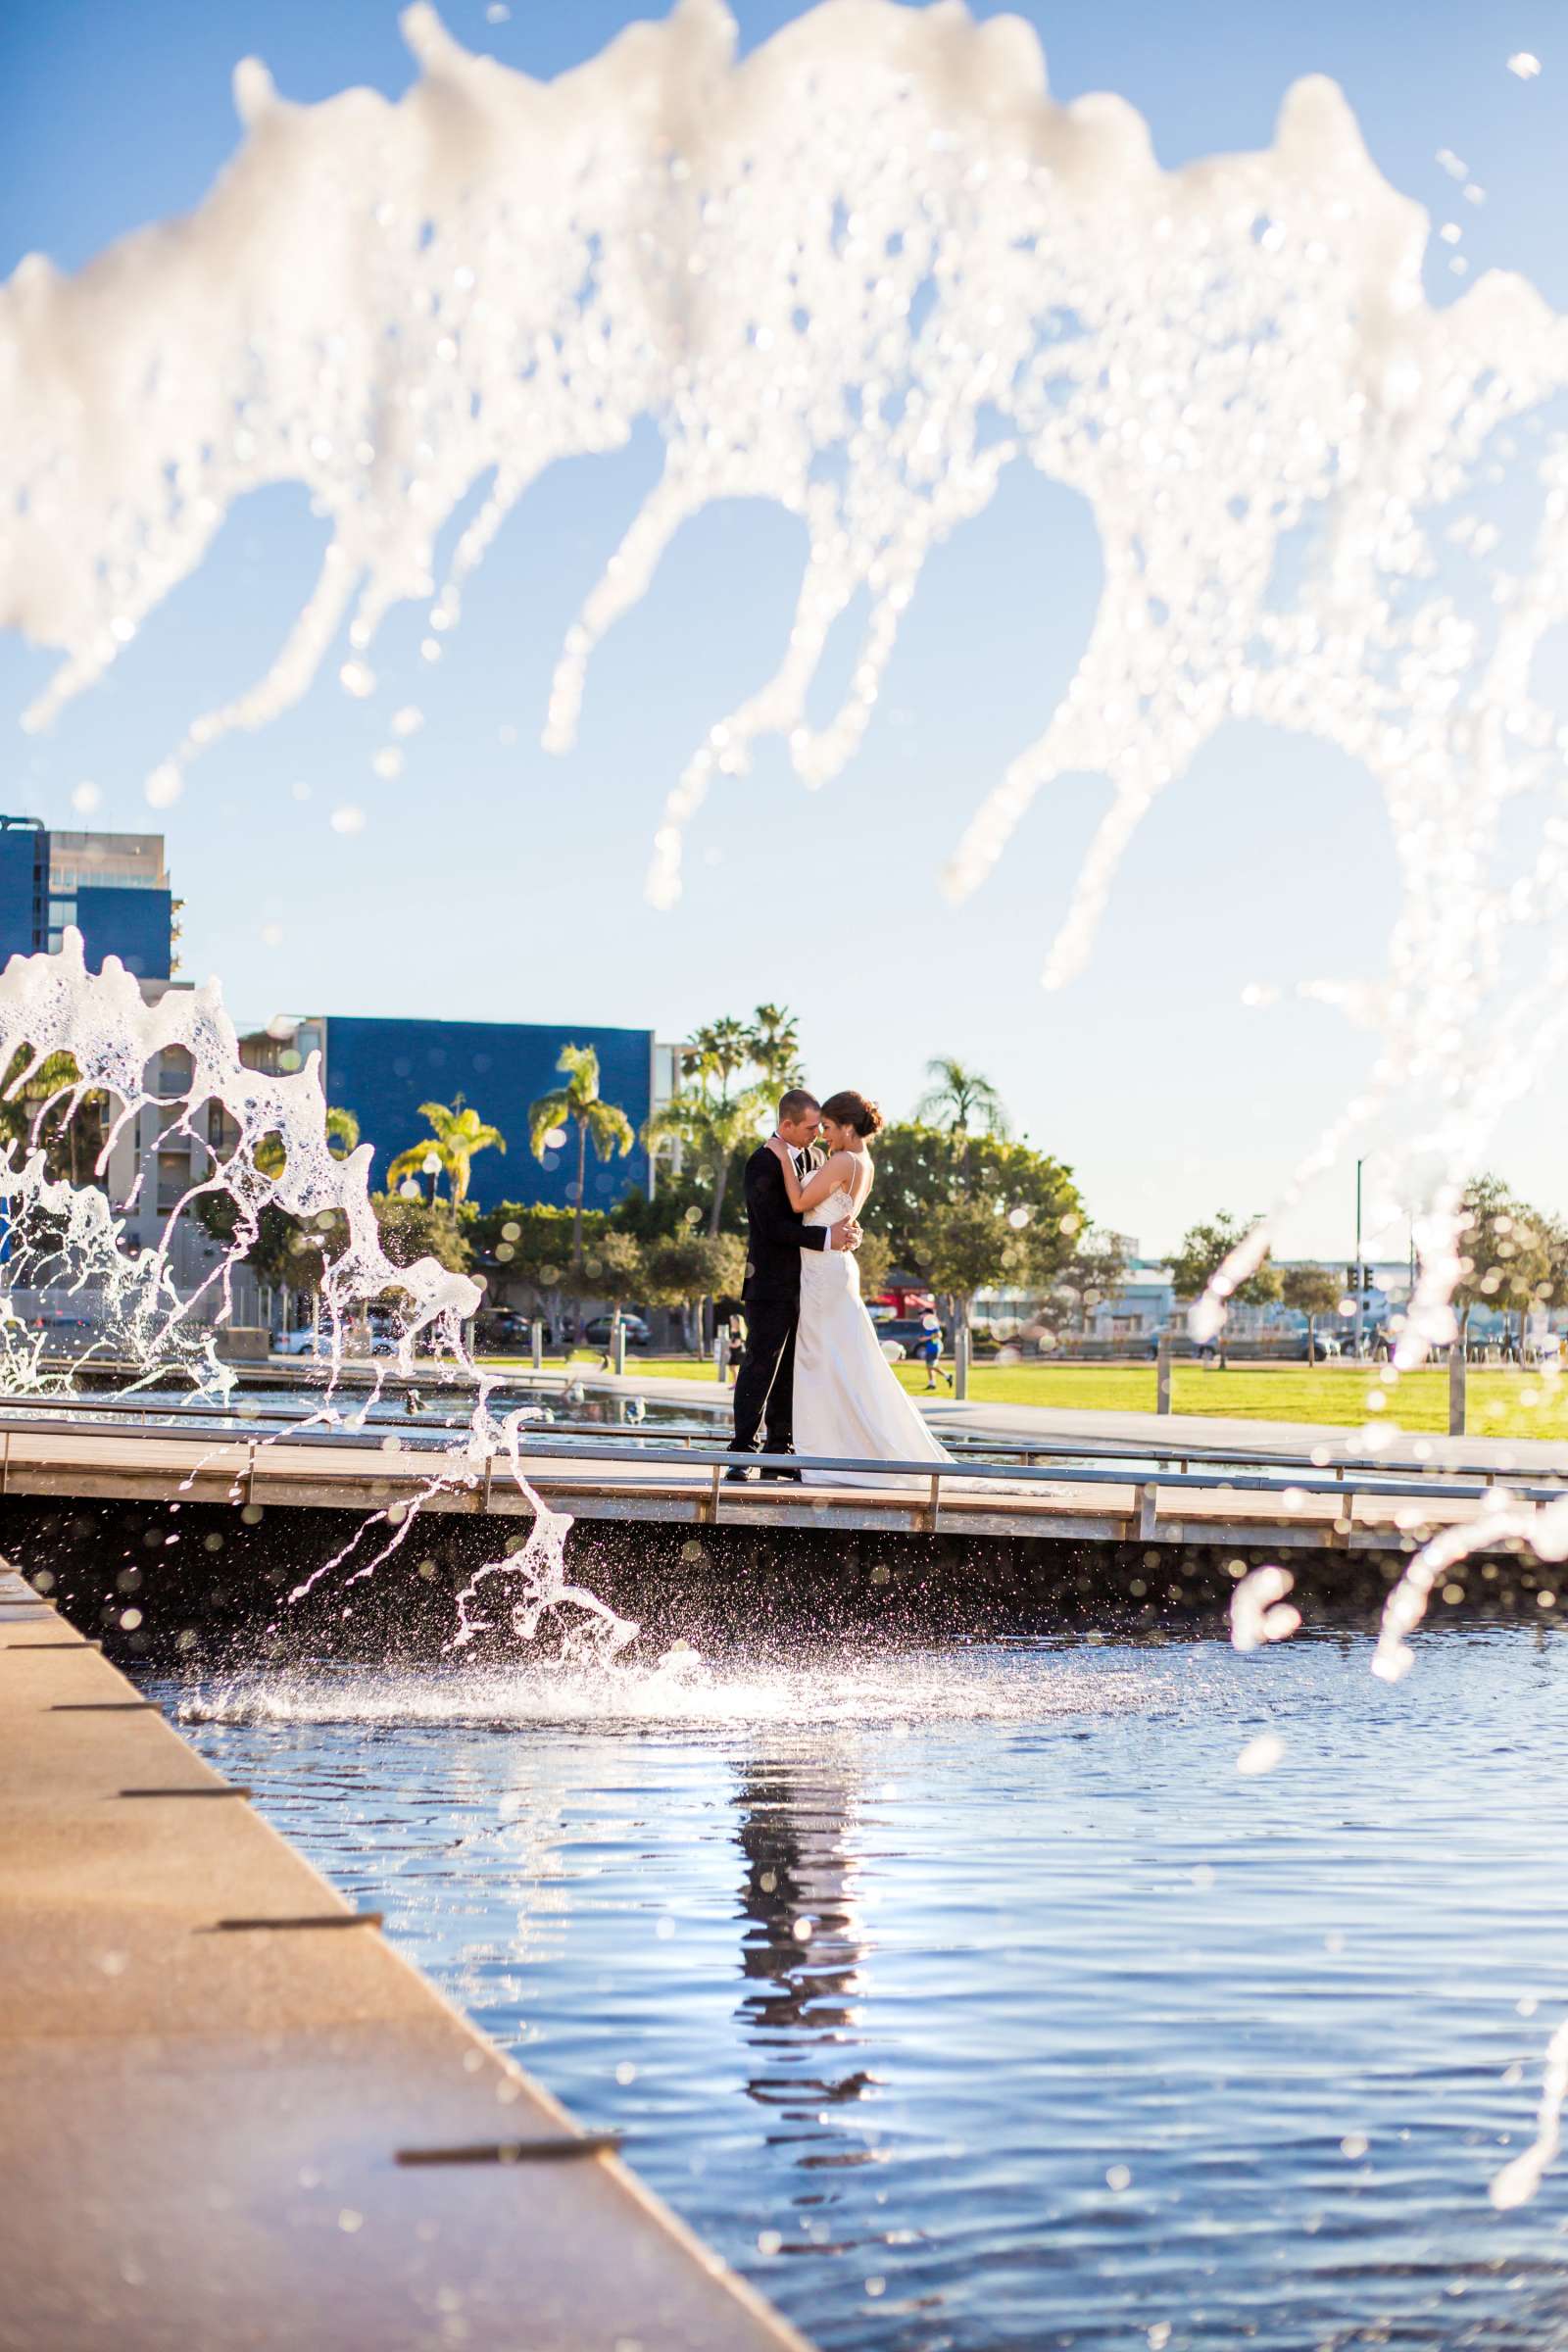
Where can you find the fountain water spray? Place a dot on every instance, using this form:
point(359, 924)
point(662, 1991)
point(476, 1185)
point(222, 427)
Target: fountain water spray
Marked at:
point(860, 272)
point(277, 1154)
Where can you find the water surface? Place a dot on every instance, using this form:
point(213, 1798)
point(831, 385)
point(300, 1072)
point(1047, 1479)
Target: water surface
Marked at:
point(973, 1998)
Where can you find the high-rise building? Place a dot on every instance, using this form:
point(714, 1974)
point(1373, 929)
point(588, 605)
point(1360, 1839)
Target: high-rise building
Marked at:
point(113, 887)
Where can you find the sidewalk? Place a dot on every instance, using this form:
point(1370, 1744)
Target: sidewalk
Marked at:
point(1311, 1442)
point(221, 2123)
point(1307, 1440)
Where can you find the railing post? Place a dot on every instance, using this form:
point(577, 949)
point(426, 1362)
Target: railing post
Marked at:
point(961, 1363)
point(1163, 1374)
point(536, 1344)
point(1456, 1372)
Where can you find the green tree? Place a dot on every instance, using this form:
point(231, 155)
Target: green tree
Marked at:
point(960, 1099)
point(714, 1116)
point(1092, 1272)
point(1204, 1249)
point(414, 1229)
point(458, 1135)
point(874, 1259)
point(717, 1054)
point(1507, 1253)
point(286, 1253)
point(614, 1271)
point(687, 1267)
point(773, 1043)
point(921, 1170)
point(680, 1203)
point(268, 1157)
point(69, 1131)
point(579, 1103)
point(532, 1241)
point(1313, 1291)
point(969, 1246)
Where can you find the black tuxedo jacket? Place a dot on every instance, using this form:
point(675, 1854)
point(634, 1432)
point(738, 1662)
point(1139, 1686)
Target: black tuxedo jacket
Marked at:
point(774, 1235)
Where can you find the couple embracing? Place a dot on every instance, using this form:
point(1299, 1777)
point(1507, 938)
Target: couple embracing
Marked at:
point(814, 1379)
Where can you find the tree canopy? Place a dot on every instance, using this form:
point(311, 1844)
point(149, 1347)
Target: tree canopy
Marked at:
point(578, 1104)
point(959, 1098)
point(458, 1135)
point(921, 1170)
point(1204, 1248)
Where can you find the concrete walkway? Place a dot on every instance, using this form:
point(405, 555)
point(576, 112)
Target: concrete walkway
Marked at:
point(231, 2116)
point(1305, 1440)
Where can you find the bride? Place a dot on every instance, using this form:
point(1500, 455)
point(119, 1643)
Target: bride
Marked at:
point(849, 1405)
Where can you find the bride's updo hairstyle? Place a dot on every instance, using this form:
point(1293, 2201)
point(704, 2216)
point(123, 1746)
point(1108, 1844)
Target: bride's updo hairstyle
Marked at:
point(853, 1111)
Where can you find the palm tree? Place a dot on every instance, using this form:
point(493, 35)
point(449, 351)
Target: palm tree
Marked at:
point(456, 1136)
point(580, 1101)
point(342, 1127)
point(67, 1132)
point(716, 1052)
point(714, 1127)
point(774, 1041)
point(959, 1095)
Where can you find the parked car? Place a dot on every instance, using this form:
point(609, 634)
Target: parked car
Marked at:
point(319, 1344)
point(595, 1333)
point(304, 1342)
point(502, 1329)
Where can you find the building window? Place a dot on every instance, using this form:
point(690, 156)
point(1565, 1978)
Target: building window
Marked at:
point(223, 1132)
point(173, 1180)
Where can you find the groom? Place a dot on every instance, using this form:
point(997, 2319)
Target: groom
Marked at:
point(765, 1391)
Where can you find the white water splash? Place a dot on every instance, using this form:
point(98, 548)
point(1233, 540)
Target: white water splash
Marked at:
point(1260, 1610)
point(52, 1004)
point(860, 272)
point(71, 1239)
point(900, 1686)
point(1519, 2180)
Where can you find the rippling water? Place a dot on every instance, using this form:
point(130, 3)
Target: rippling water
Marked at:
point(974, 1998)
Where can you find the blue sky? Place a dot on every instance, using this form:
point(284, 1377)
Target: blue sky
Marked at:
point(496, 881)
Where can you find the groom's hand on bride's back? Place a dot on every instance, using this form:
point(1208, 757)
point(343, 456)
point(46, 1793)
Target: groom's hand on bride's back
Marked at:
point(845, 1234)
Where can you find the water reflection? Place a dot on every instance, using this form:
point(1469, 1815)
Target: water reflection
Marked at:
point(802, 1946)
point(974, 1999)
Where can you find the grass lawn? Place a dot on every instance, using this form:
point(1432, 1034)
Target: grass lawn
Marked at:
point(1501, 1402)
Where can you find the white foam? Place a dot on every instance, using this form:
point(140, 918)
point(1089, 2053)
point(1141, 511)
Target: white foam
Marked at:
point(857, 273)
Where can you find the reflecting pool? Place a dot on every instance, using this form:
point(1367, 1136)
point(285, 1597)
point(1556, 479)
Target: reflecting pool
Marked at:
point(973, 1998)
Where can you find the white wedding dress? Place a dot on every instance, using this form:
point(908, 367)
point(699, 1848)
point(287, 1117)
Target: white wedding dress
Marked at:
point(849, 1405)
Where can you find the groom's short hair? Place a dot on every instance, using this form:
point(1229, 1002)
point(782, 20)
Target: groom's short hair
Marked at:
point(795, 1104)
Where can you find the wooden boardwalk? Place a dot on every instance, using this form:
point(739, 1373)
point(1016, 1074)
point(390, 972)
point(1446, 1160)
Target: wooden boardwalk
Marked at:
point(1109, 1503)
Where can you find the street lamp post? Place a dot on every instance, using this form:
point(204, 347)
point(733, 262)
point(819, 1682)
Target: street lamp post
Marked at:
point(1360, 1270)
point(431, 1166)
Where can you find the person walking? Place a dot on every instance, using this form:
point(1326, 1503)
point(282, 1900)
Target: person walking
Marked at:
point(931, 1349)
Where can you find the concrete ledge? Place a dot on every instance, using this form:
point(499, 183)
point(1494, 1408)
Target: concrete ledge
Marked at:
point(199, 2125)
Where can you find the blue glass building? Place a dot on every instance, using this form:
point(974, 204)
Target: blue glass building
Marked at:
point(382, 1070)
point(112, 886)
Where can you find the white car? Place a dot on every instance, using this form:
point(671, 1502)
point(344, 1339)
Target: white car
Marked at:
point(304, 1342)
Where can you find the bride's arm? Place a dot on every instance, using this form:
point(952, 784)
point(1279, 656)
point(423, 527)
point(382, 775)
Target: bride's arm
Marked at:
point(826, 1179)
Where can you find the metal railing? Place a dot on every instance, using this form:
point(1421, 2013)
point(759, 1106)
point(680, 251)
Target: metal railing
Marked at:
point(1382, 1481)
point(1135, 1452)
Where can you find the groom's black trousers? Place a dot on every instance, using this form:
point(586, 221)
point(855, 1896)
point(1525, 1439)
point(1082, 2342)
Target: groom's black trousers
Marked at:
point(764, 1387)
